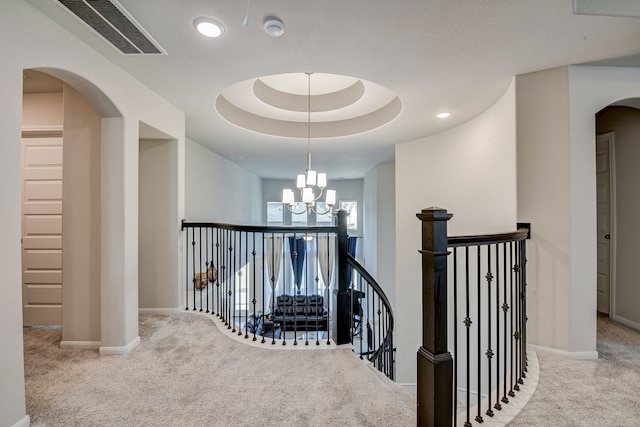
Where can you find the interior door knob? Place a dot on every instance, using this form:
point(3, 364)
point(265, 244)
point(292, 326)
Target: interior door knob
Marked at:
point(607, 236)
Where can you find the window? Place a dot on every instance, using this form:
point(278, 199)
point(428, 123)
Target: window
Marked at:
point(299, 219)
point(275, 213)
point(323, 218)
point(350, 206)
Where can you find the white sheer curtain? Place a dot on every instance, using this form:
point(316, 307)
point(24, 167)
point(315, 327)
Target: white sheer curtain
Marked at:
point(326, 259)
point(273, 259)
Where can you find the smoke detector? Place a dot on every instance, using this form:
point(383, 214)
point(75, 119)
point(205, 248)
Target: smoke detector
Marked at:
point(274, 27)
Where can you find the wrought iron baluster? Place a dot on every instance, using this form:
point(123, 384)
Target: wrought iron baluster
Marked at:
point(513, 330)
point(467, 324)
point(479, 333)
point(497, 406)
point(455, 335)
point(186, 269)
point(489, 352)
point(193, 258)
point(505, 314)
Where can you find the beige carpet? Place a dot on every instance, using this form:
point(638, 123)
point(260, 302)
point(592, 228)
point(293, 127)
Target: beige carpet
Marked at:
point(602, 392)
point(186, 372)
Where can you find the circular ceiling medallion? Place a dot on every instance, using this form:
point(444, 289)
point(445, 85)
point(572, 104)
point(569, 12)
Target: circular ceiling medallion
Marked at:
point(280, 105)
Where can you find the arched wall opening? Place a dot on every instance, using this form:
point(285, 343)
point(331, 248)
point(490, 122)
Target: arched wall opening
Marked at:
point(69, 218)
point(556, 131)
point(618, 269)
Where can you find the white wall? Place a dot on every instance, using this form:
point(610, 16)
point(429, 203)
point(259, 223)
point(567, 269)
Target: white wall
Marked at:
point(220, 191)
point(81, 220)
point(42, 111)
point(30, 40)
point(468, 170)
point(379, 249)
point(625, 123)
point(544, 194)
point(158, 273)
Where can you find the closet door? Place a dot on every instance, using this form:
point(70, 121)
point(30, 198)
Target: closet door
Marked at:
point(42, 231)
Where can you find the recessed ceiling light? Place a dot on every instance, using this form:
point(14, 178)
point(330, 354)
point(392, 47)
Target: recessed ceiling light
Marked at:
point(208, 27)
point(443, 115)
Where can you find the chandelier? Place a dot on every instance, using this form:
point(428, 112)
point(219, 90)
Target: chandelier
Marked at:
point(312, 184)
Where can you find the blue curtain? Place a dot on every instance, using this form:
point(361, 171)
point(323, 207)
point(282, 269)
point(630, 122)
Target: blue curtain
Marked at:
point(351, 248)
point(297, 248)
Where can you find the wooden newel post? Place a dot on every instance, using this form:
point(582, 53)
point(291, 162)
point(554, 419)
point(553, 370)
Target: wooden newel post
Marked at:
point(435, 365)
point(342, 333)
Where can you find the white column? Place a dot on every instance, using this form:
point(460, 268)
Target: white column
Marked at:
point(119, 287)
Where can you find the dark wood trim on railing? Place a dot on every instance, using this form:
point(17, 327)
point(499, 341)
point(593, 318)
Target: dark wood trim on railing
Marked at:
point(435, 364)
point(483, 239)
point(261, 228)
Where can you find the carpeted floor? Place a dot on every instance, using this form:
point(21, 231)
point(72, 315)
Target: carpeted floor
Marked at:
point(186, 372)
point(602, 392)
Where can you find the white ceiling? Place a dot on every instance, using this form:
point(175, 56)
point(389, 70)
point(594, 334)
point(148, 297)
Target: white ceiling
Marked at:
point(434, 55)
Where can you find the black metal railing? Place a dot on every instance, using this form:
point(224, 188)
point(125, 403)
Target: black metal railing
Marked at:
point(372, 320)
point(483, 362)
point(287, 284)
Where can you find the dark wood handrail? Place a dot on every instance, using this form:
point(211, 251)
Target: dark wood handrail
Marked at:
point(263, 228)
point(376, 287)
point(483, 239)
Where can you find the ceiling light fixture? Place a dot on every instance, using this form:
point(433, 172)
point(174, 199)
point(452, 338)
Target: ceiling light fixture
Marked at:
point(208, 27)
point(274, 27)
point(443, 115)
point(307, 184)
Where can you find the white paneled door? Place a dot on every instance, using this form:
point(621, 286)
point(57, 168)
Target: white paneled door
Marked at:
point(42, 231)
point(603, 210)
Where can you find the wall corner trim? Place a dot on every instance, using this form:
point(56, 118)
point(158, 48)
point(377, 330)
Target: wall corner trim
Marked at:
point(25, 422)
point(120, 350)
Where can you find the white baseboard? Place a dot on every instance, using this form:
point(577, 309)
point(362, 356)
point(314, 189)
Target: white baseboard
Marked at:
point(120, 350)
point(163, 311)
point(626, 322)
point(81, 345)
point(577, 355)
point(410, 387)
point(25, 422)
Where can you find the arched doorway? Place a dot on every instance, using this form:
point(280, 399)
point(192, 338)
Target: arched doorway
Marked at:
point(62, 213)
point(619, 124)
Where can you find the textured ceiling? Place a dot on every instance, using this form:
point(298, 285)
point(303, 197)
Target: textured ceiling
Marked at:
point(433, 55)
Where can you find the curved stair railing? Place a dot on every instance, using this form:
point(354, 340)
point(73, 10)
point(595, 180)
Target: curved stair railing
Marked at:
point(372, 322)
point(473, 357)
point(272, 285)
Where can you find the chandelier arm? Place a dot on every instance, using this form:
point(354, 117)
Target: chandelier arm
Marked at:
point(313, 209)
point(290, 208)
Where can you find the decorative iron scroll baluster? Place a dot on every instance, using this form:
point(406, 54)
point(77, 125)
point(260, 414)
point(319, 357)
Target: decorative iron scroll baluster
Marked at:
point(186, 270)
point(207, 274)
point(200, 278)
point(489, 352)
point(505, 313)
point(467, 324)
point(513, 329)
point(193, 249)
point(455, 335)
point(253, 300)
point(479, 333)
point(498, 406)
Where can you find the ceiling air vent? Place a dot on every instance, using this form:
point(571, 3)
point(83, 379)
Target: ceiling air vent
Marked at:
point(111, 21)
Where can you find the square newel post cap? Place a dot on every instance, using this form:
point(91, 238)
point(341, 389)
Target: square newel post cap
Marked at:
point(434, 213)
